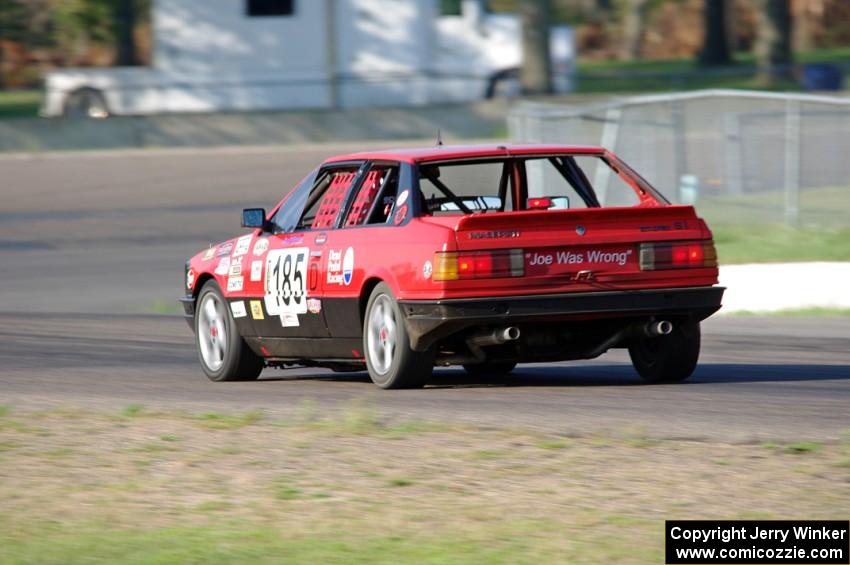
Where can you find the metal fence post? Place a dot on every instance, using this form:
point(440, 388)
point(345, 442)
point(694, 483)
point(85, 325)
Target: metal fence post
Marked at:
point(680, 139)
point(792, 162)
point(733, 158)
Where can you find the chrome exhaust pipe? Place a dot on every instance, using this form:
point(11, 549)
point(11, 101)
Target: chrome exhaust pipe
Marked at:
point(496, 337)
point(476, 342)
point(655, 329)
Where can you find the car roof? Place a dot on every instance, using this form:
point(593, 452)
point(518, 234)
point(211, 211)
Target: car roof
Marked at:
point(451, 152)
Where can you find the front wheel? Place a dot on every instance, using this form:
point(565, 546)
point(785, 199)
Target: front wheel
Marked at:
point(223, 353)
point(669, 358)
point(391, 362)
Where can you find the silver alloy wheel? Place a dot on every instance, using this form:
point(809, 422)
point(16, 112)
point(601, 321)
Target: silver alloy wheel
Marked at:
point(212, 332)
point(381, 335)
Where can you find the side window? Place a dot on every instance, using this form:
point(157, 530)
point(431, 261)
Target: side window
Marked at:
point(326, 198)
point(286, 218)
point(375, 199)
point(260, 8)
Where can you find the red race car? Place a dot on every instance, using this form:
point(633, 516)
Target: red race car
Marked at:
point(480, 256)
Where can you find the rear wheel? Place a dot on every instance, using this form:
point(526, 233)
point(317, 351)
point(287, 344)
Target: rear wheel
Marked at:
point(391, 362)
point(86, 102)
point(223, 353)
point(488, 369)
point(669, 358)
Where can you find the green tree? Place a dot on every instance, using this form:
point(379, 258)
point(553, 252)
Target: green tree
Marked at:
point(536, 72)
point(773, 40)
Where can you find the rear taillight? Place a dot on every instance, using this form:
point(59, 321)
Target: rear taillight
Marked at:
point(660, 255)
point(478, 265)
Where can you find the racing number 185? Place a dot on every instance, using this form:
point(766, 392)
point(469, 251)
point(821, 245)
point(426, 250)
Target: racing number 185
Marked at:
point(285, 273)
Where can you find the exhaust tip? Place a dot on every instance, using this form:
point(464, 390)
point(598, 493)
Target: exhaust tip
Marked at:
point(664, 327)
point(511, 333)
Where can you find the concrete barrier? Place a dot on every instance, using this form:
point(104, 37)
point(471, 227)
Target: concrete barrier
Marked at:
point(772, 287)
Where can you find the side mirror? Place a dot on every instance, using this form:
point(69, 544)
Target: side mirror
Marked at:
point(254, 218)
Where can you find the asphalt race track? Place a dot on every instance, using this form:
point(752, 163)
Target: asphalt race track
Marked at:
point(91, 256)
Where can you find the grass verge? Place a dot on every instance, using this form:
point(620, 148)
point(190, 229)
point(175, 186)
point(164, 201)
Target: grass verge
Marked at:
point(351, 487)
point(20, 103)
point(779, 244)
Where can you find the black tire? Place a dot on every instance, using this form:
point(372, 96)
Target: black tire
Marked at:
point(390, 360)
point(238, 362)
point(670, 358)
point(487, 369)
point(86, 102)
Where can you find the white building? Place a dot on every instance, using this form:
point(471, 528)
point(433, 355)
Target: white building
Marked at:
point(230, 55)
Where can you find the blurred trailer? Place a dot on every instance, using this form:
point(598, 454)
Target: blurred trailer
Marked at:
point(253, 55)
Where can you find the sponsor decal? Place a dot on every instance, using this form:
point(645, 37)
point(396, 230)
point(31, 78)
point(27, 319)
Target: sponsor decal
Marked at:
point(234, 284)
point(402, 198)
point(348, 266)
point(190, 278)
point(238, 309)
point(579, 258)
point(581, 230)
point(261, 246)
point(286, 277)
point(494, 234)
point(223, 266)
point(242, 245)
point(257, 310)
point(256, 270)
point(321, 238)
point(289, 320)
point(208, 254)
point(334, 266)
point(400, 214)
point(427, 269)
point(340, 267)
point(314, 305)
point(235, 267)
point(293, 239)
point(224, 249)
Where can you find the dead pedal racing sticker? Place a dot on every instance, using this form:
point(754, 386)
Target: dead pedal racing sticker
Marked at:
point(238, 309)
point(340, 267)
point(286, 277)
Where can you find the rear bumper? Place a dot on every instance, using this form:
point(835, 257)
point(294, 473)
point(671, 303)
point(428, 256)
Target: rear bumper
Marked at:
point(188, 303)
point(428, 321)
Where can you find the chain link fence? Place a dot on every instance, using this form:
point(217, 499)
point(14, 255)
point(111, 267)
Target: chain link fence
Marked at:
point(739, 156)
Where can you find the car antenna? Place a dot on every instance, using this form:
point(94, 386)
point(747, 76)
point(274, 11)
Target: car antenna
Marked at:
point(439, 138)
